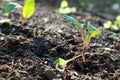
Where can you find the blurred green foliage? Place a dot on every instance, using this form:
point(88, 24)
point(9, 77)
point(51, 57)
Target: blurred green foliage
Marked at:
point(115, 26)
point(64, 8)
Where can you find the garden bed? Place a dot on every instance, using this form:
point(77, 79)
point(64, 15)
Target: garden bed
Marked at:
point(25, 57)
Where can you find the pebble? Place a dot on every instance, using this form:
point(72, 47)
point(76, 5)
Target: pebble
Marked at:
point(2, 38)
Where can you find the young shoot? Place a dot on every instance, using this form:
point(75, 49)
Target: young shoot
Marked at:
point(28, 10)
point(92, 32)
point(34, 32)
point(10, 7)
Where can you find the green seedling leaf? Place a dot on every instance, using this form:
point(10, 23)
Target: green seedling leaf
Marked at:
point(73, 10)
point(61, 62)
point(11, 6)
point(118, 18)
point(117, 22)
point(114, 28)
point(34, 32)
point(65, 10)
point(105, 52)
point(93, 31)
point(108, 24)
point(28, 8)
point(64, 4)
point(73, 20)
point(4, 21)
point(112, 58)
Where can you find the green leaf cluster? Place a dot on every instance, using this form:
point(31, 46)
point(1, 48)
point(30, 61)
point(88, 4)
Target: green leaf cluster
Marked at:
point(27, 10)
point(64, 8)
point(115, 26)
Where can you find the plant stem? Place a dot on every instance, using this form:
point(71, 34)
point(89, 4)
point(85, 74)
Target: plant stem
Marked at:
point(84, 45)
point(83, 55)
point(83, 52)
point(22, 23)
point(73, 58)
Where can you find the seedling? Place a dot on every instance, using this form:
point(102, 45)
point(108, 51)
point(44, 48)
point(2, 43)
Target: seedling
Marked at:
point(10, 7)
point(106, 52)
point(34, 32)
point(92, 32)
point(113, 26)
point(27, 10)
point(64, 8)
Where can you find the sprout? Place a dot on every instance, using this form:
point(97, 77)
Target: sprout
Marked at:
point(34, 33)
point(92, 32)
point(10, 7)
point(61, 62)
point(27, 10)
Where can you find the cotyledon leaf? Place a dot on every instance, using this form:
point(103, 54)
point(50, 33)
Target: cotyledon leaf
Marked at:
point(29, 8)
point(11, 6)
point(61, 62)
point(64, 4)
point(73, 20)
point(92, 30)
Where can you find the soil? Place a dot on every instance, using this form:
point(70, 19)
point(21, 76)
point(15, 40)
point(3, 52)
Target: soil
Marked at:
point(27, 57)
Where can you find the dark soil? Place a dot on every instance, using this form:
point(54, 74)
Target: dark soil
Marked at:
point(25, 57)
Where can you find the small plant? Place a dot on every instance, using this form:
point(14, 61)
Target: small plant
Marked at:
point(27, 10)
point(113, 26)
point(107, 52)
point(34, 32)
point(92, 32)
point(10, 7)
point(64, 8)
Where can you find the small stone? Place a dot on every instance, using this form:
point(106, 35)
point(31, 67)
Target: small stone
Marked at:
point(60, 31)
point(2, 38)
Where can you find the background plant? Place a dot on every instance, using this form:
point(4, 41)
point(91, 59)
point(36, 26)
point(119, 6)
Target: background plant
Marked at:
point(115, 26)
point(26, 12)
point(64, 7)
